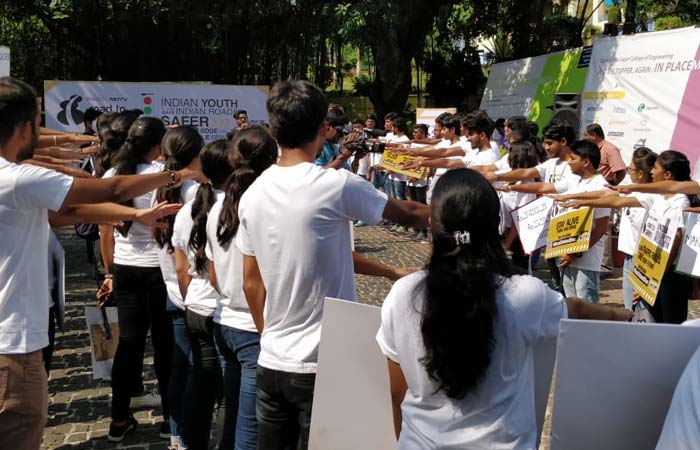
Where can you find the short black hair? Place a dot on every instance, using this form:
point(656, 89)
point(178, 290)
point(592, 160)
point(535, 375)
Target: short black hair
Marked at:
point(17, 105)
point(297, 109)
point(423, 127)
point(91, 114)
point(358, 121)
point(557, 130)
point(400, 124)
point(239, 112)
point(441, 118)
point(533, 128)
point(586, 150)
point(391, 116)
point(480, 122)
point(452, 122)
point(336, 116)
point(371, 116)
point(596, 129)
point(519, 123)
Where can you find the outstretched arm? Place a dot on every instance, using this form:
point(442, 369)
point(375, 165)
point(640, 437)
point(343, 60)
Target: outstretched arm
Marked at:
point(661, 187)
point(530, 188)
point(407, 213)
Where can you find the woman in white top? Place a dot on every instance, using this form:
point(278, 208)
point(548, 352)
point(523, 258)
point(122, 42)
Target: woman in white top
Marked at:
point(181, 147)
point(138, 284)
point(237, 340)
point(632, 219)
point(459, 335)
point(671, 304)
point(201, 299)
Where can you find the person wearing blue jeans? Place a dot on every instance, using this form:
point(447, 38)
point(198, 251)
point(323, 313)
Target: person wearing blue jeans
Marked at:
point(627, 289)
point(180, 363)
point(238, 356)
point(581, 283)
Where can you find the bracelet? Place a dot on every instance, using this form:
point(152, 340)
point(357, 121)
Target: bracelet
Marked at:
point(108, 276)
point(55, 141)
point(174, 178)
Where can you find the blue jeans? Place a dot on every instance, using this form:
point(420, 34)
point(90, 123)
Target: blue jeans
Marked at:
point(180, 365)
point(584, 284)
point(238, 355)
point(378, 179)
point(627, 289)
point(399, 189)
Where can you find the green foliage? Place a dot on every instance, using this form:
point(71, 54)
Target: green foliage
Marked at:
point(614, 14)
point(669, 23)
point(500, 48)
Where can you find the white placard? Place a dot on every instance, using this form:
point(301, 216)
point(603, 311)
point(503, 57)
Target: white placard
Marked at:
point(532, 222)
point(207, 107)
point(615, 382)
point(688, 261)
point(352, 401)
point(4, 61)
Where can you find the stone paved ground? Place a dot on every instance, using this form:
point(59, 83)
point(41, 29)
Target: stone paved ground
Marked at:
point(79, 406)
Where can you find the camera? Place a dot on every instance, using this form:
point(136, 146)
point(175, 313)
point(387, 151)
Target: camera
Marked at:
point(366, 142)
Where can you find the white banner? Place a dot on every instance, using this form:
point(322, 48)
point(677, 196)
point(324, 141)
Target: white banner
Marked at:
point(688, 261)
point(637, 88)
point(209, 108)
point(427, 116)
point(4, 61)
point(532, 222)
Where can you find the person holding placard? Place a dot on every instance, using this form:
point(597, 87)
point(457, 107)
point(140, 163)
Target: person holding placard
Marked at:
point(580, 271)
point(632, 219)
point(671, 173)
point(448, 395)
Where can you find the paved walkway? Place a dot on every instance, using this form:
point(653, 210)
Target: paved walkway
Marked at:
point(79, 406)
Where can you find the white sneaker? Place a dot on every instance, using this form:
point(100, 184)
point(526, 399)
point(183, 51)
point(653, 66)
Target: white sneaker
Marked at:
point(149, 399)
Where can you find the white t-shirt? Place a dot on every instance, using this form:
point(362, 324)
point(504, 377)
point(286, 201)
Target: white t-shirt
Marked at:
point(681, 429)
point(502, 164)
point(593, 258)
point(26, 193)
point(232, 310)
point(500, 412)
point(296, 222)
point(553, 170)
point(667, 207)
point(201, 296)
point(138, 248)
point(166, 260)
point(481, 158)
point(396, 140)
point(363, 165)
point(420, 182)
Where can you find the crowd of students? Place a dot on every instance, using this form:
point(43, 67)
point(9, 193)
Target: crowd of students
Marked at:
point(225, 251)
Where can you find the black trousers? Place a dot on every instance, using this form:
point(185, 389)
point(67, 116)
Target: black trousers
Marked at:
point(284, 409)
point(141, 296)
point(671, 305)
point(204, 383)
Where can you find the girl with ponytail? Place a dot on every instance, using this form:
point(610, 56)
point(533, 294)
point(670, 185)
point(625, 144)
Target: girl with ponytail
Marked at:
point(181, 147)
point(131, 262)
point(237, 340)
point(201, 299)
point(459, 334)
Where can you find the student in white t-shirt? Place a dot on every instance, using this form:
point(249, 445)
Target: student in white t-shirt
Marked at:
point(632, 219)
point(446, 394)
point(181, 147)
point(671, 169)
point(27, 193)
point(581, 271)
point(237, 340)
point(201, 299)
point(295, 236)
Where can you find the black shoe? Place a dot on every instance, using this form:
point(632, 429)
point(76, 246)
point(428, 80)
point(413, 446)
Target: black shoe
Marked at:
point(117, 433)
point(165, 429)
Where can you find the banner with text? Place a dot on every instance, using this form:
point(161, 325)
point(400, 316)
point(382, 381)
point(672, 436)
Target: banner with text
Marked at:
point(569, 232)
point(4, 61)
point(688, 261)
point(642, 89)
point(207, 107)
point(653, 251)
point(393, 161)
point(532, 222)
point(526, 87)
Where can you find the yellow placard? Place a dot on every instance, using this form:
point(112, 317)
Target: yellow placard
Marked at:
point(648, 267)
point(393, 161)
point(569, 232)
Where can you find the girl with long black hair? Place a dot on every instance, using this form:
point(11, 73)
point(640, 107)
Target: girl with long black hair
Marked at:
point(181, 147)
point(252, 151)
point(200, 297)
point(670, 172)
point(138, 288)
point(459, 334)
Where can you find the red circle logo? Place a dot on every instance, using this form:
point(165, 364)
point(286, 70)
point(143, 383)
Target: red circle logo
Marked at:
point(147, 100)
